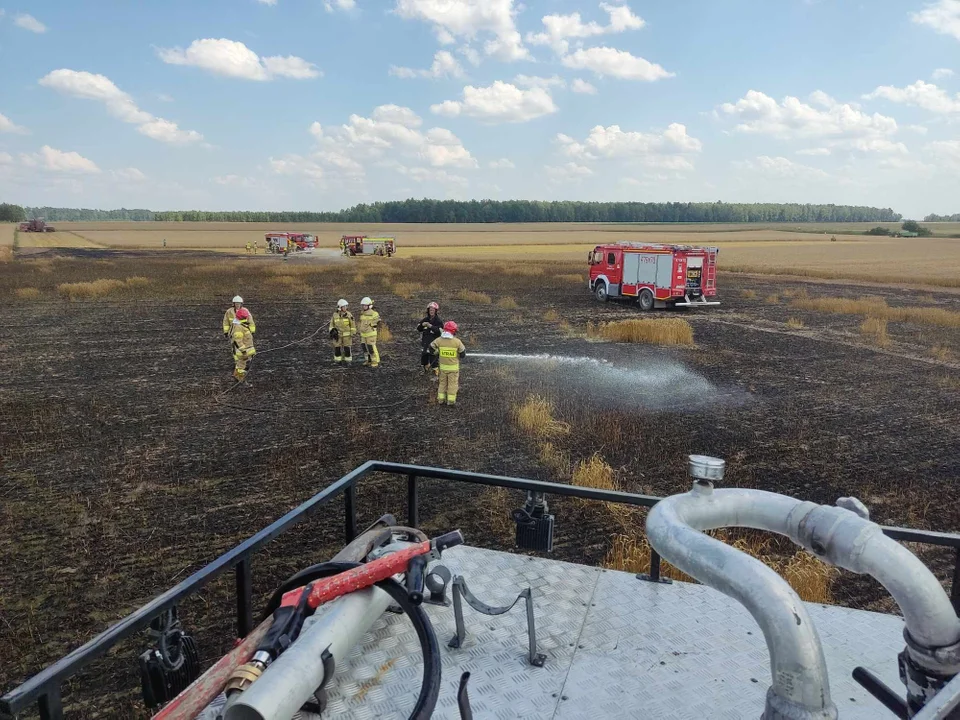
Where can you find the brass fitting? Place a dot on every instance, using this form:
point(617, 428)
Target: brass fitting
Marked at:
point(243, 677)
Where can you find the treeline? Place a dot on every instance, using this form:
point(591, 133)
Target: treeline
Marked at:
point(506, 211)
point(942, 218)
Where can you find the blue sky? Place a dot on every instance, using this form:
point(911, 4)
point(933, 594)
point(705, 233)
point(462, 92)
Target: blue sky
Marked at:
point(320, 104)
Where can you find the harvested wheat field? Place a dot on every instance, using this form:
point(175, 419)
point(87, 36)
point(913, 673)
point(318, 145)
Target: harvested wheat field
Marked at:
point(124, 466)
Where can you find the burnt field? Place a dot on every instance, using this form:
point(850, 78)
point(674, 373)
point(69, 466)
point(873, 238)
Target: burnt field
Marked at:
point(128, 460)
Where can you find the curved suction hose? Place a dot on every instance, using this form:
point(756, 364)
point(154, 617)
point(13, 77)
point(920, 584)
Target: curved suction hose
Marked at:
point(837, 535)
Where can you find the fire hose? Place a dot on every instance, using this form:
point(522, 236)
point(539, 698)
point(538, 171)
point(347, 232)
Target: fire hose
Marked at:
point(294, 601)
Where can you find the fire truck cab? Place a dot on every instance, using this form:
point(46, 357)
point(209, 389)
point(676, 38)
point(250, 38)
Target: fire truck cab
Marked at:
point(658, 276)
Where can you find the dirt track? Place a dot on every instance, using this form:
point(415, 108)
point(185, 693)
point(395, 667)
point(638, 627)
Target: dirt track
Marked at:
point(123, 468)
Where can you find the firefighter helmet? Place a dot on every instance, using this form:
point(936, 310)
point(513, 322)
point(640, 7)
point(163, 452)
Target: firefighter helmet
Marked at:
point(237, 298)
point(450, 326)
point(243, 314)
point(366, 301)
point(341, 303)
point(434, 306)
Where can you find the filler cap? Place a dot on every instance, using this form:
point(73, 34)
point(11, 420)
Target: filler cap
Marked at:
point(704, 467)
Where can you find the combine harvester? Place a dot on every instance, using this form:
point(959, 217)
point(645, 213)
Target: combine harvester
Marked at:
point(583, 643)
point(36, 225)
point(658, 276)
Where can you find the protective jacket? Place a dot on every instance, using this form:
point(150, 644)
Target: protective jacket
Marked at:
point(430, 329)
point(369, 322)
point(242, 341)
point(230, 315)
point(344, 324)
point(450, 350)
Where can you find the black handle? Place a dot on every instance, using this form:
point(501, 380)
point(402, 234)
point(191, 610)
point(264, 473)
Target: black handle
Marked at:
point(415, 574)
point(448, 540)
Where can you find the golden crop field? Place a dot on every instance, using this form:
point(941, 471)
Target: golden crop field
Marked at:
point(6, 233)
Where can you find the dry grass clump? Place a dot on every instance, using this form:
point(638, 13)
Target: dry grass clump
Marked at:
point(137, 281)
point(875, 330)
point(92, 289)
point(772, 299)
point(571, 278)
point(517, 319)
point(795, 323)
point(665, 331)
point(6, 253)
point(27, 293)
point(551, 315)
point(557, 460)
point(384, 335)
point(877, 307)
point(535, 417)
point(359, 278)
point(594, 472)
point(472, 296)
point(941, 352)
point(811, 578)
point(507, 303)
point(748, 294)
point(405, 290)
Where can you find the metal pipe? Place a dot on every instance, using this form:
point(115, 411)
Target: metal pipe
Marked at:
point(800, 686)
point(293, 677)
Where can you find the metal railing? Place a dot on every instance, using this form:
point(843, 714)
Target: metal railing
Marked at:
point(44, 688)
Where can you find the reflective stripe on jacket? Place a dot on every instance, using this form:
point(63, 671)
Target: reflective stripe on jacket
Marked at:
point(450, 350)
point(230, 315)
point(243, 342)
point(369, 321)
point(344, 323)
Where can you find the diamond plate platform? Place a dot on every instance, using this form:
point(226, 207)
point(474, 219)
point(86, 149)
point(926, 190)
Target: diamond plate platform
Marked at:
point(616, 647)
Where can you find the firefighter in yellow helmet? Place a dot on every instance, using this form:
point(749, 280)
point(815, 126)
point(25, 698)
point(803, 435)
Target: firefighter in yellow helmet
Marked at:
point(369, 322)
point(249, 248)
point(342, 330)
point(230, 315)
point(450, 350)
point(243, 350)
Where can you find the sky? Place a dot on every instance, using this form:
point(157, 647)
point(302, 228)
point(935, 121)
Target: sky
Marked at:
point(321, 104)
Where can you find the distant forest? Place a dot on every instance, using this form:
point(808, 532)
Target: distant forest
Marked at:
point(942, 218)
point(507, 211)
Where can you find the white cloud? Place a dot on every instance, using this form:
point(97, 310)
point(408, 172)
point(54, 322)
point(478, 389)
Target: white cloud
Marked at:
point(444, 65)
point(130, 174)
point(921, 94)
point(670, 149)
point(9, 126)
point(559, 28)
point(499, 103)
point(820, 151)
point(267, 2)
point(334, 5)
point(530, 81)
point(422, 174)
point(163, 97)
point(468, 19)
point(943, 16)
point(59, 161)
point(919, 129)
point(6, 158)
point(119, 104)
point(28, 22)
point(781, 168)
point(231, 58)
point(792, 119)
point(941, 73)
point(297, 165)
point(567, 172)
point(472, 56)
point(501, 164)
point(606, 61)
point(582, 86)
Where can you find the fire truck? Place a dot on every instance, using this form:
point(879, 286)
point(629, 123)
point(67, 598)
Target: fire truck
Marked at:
point(353, 245)
point(658, 276)
point(286, 242)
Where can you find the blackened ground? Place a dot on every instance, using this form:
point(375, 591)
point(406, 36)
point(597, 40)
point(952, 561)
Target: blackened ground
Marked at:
point(125, 465)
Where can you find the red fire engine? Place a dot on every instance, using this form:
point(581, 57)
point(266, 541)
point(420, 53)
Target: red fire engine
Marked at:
point(282, 242)
point(657, 276)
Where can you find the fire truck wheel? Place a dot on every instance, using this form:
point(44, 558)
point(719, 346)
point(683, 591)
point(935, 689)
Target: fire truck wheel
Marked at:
point(645, 300)
point(600, 290)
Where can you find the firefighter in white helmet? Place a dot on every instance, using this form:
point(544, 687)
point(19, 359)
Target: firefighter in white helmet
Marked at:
point(450, 350)
point(230, 315)
point(243, 350)
point(369, 322)
point(342, 330)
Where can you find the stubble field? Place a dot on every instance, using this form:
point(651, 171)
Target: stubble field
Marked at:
point(125, 467)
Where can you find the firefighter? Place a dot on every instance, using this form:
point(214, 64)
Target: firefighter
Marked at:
point(342, 330)
point(369, 322)
point(429, 328)
point(249, 248)
point(243, 350)
point(450, 350)
point(343, 246)
point(256, 246)
point(230, 315)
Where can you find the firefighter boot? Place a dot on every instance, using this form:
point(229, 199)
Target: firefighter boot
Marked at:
point(336, 355)
point(347, 354)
